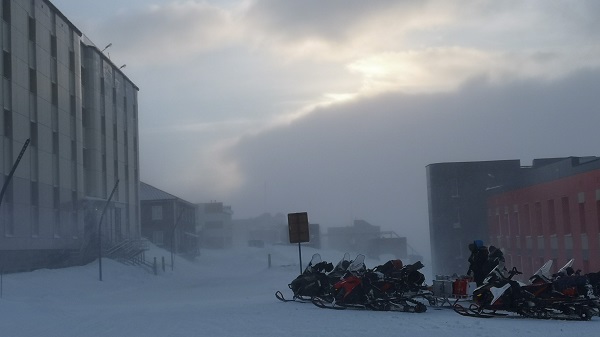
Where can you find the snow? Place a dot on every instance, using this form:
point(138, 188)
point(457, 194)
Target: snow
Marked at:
point(221, 293)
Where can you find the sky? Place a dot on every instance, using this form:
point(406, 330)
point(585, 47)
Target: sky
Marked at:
point(336, 107)
point(222, 293)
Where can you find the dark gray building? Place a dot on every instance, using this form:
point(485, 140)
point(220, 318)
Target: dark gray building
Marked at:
point(457, 198)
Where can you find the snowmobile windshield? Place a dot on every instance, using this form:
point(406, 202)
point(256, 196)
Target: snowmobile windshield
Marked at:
point(358, 265)
point(343, 264)
point(316, 258)
point(542, 273)
point(563, 270)
point(494, 276)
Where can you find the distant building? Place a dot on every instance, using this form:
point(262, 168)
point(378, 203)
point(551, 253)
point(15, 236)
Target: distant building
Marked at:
point(214, 225)
point(261, 230)
point(355, 238)
point(80, 113)
point(168, 221)
point(545, 211)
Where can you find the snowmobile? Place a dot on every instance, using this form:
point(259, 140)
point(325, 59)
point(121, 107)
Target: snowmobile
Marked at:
point(361, 288)
point(501, 296)
point(316, 279)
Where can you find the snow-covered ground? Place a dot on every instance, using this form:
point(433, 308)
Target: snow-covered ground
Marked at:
point(221, 293)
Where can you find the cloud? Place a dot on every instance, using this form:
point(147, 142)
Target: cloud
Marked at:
point(366, 159)
point(169, 33)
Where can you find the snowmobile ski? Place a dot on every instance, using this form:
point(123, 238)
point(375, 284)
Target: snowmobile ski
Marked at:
point(581, 314)
point(299, 299)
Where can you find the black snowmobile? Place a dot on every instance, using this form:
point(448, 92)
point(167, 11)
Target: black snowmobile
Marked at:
point(383, 288)
point(316, 279)
point(501, 296)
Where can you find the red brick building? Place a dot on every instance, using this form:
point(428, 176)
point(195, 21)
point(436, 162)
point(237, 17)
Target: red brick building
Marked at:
point(550, 213)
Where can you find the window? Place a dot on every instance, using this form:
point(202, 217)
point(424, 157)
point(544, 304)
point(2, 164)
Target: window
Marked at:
point(73, 150)
point(85, 119)
point(540, 245)
point(35, 221)
point(54, 94)
point(56, 198)
point(566, 214)
point(581, 210)
point(8, 123)
point(538, 217)
point(6, 10)
point(34, 193)
point(551, 217)
point(71, 60)
point(33, 134)
point(73, 106)
point(87, 158)
point(31, 29)
point(57, 228)
point(32, 80)
point(157, 212)
point(55, 143)
point(74, 225)
point(53, 48)
point(6, 64)
point(585, 248)
point(116, 168)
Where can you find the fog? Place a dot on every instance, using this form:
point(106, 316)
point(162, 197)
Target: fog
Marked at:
point(336, 108)
point(366, 160)
point(221, 293)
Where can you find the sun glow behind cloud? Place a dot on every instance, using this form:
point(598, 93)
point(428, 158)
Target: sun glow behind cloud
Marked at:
point(376, 47)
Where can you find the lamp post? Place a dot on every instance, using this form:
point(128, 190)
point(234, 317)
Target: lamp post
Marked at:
point(100, 230)
point(105, 48)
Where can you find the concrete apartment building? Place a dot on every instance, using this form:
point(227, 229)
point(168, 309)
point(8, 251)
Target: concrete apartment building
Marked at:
point(80, 113)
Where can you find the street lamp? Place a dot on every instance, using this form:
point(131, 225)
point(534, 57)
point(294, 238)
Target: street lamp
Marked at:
point(105, 48)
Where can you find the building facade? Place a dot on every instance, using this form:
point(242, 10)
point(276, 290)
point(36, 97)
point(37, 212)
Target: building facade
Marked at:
point(168, 221)
point(80, 113)
point(552, 213)
point(546, 211)
point(215, 225)
point(457, 194)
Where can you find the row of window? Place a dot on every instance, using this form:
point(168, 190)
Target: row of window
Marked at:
point(536, 222)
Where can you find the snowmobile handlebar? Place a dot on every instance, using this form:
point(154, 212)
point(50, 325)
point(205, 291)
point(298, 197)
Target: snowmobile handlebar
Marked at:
point(514, 272)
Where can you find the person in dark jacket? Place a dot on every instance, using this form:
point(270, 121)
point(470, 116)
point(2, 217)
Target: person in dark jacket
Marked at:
point(495, 258)
point(479, 256)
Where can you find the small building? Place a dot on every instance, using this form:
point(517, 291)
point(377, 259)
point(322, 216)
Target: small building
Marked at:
point(356, 238)
point(168, 221)
point(214, 224)
point(263, 229)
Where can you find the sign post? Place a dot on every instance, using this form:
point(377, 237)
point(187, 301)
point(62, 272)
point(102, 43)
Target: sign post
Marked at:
point(298, 231)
